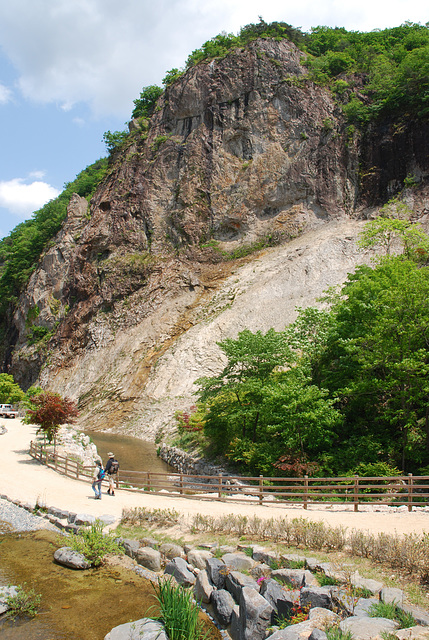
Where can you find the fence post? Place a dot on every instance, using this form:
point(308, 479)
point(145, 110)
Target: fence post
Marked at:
point(261, 489)
point(220, 486)
point(66, 471)
point(117, 479)
point(148, 481)
point(181, 484)
point(77, 469)
point(410, 492)
point(356, 494)
point(305, 491)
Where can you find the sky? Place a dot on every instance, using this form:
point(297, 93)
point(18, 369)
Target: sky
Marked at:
point(70, 70)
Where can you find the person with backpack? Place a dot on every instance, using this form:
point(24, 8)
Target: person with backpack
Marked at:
point(97, 479)
point(112, 467)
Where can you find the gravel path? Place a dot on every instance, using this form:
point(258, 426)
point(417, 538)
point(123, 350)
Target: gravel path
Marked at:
point(13, 518)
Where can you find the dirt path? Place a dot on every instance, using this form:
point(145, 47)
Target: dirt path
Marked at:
point(25, 479)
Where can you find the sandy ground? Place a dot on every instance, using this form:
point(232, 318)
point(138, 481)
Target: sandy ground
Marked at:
point(27, 480)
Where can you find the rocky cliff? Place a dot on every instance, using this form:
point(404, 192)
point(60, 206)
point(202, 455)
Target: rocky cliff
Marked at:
point(242, 199)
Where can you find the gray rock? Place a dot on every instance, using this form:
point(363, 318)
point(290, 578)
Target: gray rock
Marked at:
point(130, 546)
point(365, 583)
point(389, 595)
point(281, 600)
point(300, 631)
point(323, 618)
point(255, 615)
point(289, 558)
point(149, 542)
point(145, 573)
point(217, 571)
point(227, 548)
point(316, 597)
point(144, 629)
point(311, 563)
point(202, 588)
point(149, 558)
point(260, 571)
point(418, 632)
point(310, 579)
point(293, 577)
point(420, 615)
point(234, 630)
point(6, 592)
point(261, 554)
point(235, 581)
point(70, 558)
point(367, 628)
point(223, 604)
point(178, 567)
point(363, 606)
point(317, 634)
point(84, 519)
point(170, 550)
point(71, 517)
point(197, 557)
point(238, 561)
point(58, 513)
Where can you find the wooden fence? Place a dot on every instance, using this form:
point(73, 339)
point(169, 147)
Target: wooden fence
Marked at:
point(406, 490)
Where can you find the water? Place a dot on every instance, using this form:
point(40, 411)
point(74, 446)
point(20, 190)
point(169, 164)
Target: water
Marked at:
point(133, 454)
point(76, 605)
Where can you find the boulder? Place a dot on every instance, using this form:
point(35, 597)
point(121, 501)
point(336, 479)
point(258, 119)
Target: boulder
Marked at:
point(235, 581)
point(130, 546)
point(149, 558)
point(261, 554)
point(238, 561)
point(260, 571)
point(144, 629)
point(198, 557)
point(84, 519)
point(317, 634)
point(300, 631)
point(323, 618)
point(178, 568)
point(282, 601)
point(223, 604)
point(171, 550)
point(202, 588)
point(418, 632)
point(389, 595)
point(316, 597)
point(420, 615)
point(255, 615)
point(293, 577)
point(217, 571)
point(70, 558)
point(374, 586)
point(363, 606)
point(368, 628)
point(6, 592)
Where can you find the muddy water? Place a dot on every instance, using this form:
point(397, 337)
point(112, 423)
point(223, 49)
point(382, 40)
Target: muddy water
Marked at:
point(76, 605)
point(133, 454)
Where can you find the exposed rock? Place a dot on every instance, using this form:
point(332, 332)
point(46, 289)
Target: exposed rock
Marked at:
point(178, 567)
point(197, 558)
point(70, 558)
point(281, 600)
point(6, 592)
point(238, 561)
point(171, 550)
point(413, 633)
point(366, 583)
point(131, 547)
point(217, 571)
point(202, 588)
point(293, 577)
point(223, 604)
point(368, 628)
point(149, 558)
point(389, 595)
point(316, 597)
point(255, 615)
point(260, 571)
point(235, 581)
point(144, 629)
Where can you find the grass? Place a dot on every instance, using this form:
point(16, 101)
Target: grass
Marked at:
point(392, 612)
point(179, 612)
point(93, 544)
point(26, 602)
point(335, 633)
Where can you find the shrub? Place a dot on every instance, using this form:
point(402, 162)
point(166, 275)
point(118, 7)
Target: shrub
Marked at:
point(24, 603)
point(93, 544)
point(179, 612)
point(391, 611)
point(142, 515)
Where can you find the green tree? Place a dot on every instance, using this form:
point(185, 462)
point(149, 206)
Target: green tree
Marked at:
point(144, 106)
point(10, 391)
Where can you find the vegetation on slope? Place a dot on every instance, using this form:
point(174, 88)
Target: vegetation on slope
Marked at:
point(340, 391)
point(21, 249)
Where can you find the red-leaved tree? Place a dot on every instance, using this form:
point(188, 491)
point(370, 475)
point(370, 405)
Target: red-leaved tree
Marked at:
point(50, 410)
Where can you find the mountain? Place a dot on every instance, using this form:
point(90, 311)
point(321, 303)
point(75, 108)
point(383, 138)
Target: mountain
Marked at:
point(241, 198)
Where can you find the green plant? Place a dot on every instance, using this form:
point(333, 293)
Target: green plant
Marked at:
point(391, 611)
point(158, 141)
point(325, 580)
point(179, 612)
point(335, 633)
point(25, 602)
point(298, 614)
point(93, 544)
point(143, 515)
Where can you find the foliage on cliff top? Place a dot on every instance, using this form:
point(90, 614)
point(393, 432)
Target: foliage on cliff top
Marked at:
point(21, 249)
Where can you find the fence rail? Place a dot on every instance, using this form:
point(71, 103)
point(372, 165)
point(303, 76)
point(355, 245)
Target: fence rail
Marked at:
point(406, 490)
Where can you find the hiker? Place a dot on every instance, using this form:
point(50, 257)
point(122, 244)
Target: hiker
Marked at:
point(112, 467)
point(97, 479)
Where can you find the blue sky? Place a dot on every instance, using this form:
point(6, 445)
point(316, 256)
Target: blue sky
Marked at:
point(70, 69)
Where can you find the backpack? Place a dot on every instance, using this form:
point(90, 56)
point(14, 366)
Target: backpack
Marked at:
point(101, 474)
point(114, 467)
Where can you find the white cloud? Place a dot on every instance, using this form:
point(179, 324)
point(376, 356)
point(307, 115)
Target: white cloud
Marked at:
point(5, 94)
point(22, 199)
point(103, 52)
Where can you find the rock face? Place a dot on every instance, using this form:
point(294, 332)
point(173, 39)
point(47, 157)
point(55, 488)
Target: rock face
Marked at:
point(241, 153)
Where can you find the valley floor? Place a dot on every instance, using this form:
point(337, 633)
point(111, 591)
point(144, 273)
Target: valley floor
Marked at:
point(25, 479)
